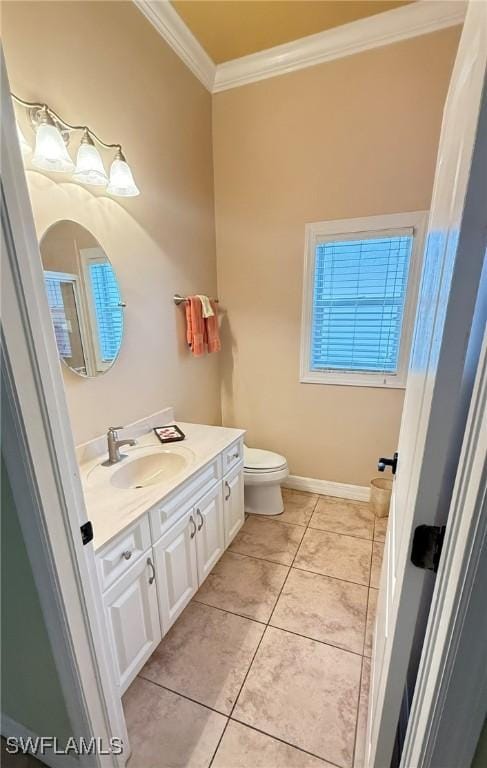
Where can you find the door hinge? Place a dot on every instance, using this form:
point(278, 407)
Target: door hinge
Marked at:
point(86, 532)
point(427, 546)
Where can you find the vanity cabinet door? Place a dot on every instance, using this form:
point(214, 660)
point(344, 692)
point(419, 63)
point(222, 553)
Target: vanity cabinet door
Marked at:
point(133, 619)
point(233, 503)
point(210, 537)
point(176, 569)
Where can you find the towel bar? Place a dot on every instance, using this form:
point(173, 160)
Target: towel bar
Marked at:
point(181, 299)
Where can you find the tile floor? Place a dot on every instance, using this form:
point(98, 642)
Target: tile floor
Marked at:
point(269, 665)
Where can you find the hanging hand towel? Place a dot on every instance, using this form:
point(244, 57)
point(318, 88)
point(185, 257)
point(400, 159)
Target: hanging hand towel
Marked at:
point(196, 331)
point(212, 330)
point(206, 305)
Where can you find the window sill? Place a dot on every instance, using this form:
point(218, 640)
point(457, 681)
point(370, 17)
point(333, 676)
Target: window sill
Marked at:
point(353, 380)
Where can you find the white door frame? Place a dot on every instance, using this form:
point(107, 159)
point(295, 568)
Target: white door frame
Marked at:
point(445, 357)
point(43, 470)
point(450, 699)
point(453, 668)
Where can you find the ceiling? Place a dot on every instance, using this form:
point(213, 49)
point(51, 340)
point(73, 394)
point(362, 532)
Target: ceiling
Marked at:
point(228, 29)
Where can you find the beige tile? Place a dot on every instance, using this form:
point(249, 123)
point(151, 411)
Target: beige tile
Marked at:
point(343, 516)
point(377, 551)
point(268, 539)
point(342, 557)
point(380, 528)
point(369, 631)
point(323, 609)
point(205, 656)
point(305, 693)
point(168, 731)
point(298, 506)
point(243, 585)
point(359, 759)
point(242, 747)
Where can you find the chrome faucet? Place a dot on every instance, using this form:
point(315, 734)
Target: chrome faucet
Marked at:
point(114, 445)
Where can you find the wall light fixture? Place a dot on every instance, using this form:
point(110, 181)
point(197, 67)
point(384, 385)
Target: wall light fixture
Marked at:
point(53, 136)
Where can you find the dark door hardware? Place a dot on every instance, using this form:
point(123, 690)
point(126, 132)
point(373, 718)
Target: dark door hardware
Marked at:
point(392, 463)
point(86, 532)
point(427, 546)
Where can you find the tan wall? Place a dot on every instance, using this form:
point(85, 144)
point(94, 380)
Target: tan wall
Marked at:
point(103, 63)
point(352, 137)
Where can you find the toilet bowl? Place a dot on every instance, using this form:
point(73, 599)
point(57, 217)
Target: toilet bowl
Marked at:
point(264, 471)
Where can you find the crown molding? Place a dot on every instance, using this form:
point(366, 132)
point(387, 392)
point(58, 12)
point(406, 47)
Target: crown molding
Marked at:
point(419, 18)
point(385, 28)
point(177, 35)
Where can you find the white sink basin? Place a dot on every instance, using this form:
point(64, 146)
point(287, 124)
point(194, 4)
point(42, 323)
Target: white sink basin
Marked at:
point(143, 467)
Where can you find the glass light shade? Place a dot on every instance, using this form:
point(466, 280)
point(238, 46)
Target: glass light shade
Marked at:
point(25, 147)
point(89, 167)
point(50, 152)
point(121, 180)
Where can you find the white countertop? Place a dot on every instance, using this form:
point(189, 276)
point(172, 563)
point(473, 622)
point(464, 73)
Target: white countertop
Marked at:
point(112, 509)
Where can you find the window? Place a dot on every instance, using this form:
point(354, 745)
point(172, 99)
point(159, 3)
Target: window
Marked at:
point(106, 299)
point(360, 288)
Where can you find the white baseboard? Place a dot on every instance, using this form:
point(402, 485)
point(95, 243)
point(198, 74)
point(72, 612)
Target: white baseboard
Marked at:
point(328, 488)
point(10, 727)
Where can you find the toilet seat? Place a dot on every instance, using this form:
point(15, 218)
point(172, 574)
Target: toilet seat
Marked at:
point(257, 461)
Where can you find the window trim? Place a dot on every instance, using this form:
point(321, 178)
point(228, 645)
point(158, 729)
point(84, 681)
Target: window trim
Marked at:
point(326, 230)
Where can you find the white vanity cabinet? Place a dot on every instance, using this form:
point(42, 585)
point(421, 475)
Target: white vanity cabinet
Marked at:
point(185, 555)
point(133, 620)
point(233, 503)
point(150, 571)
point(210, 532)
point(176, 569)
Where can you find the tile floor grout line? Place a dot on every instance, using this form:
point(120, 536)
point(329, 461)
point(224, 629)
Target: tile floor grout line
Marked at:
point(287, 743)
point(183, 696)
point(340, 533)
point(291, 566)
point(226, 610)
point(265, 630)
point(346, 581)
point(256, 557)
point(219, 742)
point(314, 640)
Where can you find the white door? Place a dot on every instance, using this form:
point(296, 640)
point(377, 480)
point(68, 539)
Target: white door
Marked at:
point(443, 362)
point(176, 570)
point(133, 620)
point(210, 538)
point(233, 504)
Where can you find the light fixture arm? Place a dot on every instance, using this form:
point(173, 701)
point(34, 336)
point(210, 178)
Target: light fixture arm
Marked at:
point(36, 106)
point(53, 135)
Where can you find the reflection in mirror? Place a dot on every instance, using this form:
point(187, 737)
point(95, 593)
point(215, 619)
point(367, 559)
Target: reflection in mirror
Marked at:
point(83, 297)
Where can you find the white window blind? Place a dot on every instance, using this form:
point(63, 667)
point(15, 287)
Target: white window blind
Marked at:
point(358, 301)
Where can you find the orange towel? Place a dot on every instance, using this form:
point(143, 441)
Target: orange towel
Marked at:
point(196, 332)
point(212, 330)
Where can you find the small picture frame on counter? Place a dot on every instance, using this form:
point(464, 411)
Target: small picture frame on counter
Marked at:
point(170, 433)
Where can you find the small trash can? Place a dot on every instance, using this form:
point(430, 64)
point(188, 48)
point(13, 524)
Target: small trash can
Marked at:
point(380, 496)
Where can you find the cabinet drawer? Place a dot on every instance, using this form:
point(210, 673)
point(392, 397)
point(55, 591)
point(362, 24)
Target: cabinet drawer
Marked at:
point(232, 455)
point(115, 558)
point(179, 501)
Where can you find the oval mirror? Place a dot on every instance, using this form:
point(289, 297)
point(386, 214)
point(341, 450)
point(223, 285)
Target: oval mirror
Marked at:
point(84, 298)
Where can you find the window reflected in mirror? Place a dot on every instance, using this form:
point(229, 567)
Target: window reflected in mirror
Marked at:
point(84, 298)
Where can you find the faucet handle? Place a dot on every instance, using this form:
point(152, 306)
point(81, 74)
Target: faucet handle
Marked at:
point(113, 432)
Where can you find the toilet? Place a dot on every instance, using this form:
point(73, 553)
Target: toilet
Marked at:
point(264, 471)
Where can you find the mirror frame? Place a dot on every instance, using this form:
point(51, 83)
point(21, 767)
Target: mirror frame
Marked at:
point(98, 374)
